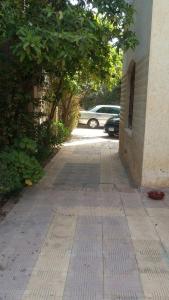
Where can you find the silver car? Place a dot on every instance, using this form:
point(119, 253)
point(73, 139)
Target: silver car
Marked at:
point(98, 115)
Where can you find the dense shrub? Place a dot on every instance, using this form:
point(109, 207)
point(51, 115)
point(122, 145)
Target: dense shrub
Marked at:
point(62, 132)
point(69, 111)
point(9, 178)
point(57, 46)
point(49, 136)
point(27, 145)
point(18, 166)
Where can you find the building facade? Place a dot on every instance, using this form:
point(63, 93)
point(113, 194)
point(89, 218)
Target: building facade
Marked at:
point(144, 129)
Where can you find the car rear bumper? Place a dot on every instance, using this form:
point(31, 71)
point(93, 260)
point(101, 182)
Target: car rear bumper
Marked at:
point(83, 121)
point(110, 128)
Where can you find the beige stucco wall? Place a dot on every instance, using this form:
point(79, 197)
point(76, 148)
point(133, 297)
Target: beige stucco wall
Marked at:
point(145, 148)
point(155, 170)
point(132, 141)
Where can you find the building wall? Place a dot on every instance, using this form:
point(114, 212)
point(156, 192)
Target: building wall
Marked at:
point(156, 146)
point(132, 141)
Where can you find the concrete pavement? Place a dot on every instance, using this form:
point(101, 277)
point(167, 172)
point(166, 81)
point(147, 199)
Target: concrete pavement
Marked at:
point(84, 233)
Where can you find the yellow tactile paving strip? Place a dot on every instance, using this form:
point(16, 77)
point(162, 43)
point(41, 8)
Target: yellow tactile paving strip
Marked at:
point(87, 240)
point(49, 275)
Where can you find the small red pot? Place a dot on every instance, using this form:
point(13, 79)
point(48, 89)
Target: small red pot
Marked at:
point(156, 195)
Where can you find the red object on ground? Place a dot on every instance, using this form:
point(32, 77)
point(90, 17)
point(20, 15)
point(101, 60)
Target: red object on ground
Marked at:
point(156, 195)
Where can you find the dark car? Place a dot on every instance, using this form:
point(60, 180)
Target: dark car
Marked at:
point(112, 126)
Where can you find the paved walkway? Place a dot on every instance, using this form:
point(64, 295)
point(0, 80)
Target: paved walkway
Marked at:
point(83, 233)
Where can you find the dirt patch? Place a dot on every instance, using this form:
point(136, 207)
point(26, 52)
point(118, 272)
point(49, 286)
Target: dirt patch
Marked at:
point(6, 205)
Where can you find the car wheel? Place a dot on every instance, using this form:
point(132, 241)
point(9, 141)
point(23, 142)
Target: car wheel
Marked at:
point(114, 134)
point(93, 123)
point(111, 134)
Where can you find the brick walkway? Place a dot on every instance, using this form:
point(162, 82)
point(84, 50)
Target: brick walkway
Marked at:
point(83, 233)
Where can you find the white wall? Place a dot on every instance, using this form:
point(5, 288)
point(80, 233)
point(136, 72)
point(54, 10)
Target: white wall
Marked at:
point(132, 141)
point(156, 147)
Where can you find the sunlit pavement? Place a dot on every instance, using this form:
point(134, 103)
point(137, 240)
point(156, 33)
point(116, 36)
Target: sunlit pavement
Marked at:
point(84, 233)
point(83, 136)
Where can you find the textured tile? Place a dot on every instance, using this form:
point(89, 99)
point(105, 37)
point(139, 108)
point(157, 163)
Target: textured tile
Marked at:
point(79, 174)
point(84, 233)
point(115, 228)
point(156, 212)
point(123, 285)
point(131, 200)
point(151, 256)
point(141, 228)
point(53, 260)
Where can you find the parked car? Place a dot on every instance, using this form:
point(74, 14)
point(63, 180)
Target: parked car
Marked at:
point(98, 115)
point(112, 127)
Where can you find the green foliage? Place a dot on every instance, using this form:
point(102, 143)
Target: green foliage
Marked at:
point(50, 135)
point(17, 168)
point(69, 104)
point(62, 132)
point(60, 42)
point(9, 179)
point(102, 96)
point(63, 48)
point(27, 145)
point(69, 110)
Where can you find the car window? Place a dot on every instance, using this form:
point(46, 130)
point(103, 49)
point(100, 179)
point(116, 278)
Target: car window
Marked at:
point(114, 110)
point(109, 110)
point(102, 110)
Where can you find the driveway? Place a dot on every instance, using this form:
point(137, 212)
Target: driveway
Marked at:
point(84, 232)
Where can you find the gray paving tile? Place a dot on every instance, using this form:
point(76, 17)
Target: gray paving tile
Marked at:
point(89, 248)
point(68, 238)
point(86, 265)
point(115, 228)
point(89, 233)
point(131, 200)
point(79, 174)
point(10, 294)
point(123, 285)
point(89, 220)
point(122, 248)
point(86, 296)
point(83, 292)
point(119, 257)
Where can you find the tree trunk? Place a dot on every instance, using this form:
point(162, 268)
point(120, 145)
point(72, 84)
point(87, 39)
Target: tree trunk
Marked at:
point(58, 98)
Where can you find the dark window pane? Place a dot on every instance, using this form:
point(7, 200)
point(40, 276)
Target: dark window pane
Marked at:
point(114, 110)
point(102, 110)
point(131, 99)
point(109, 110)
